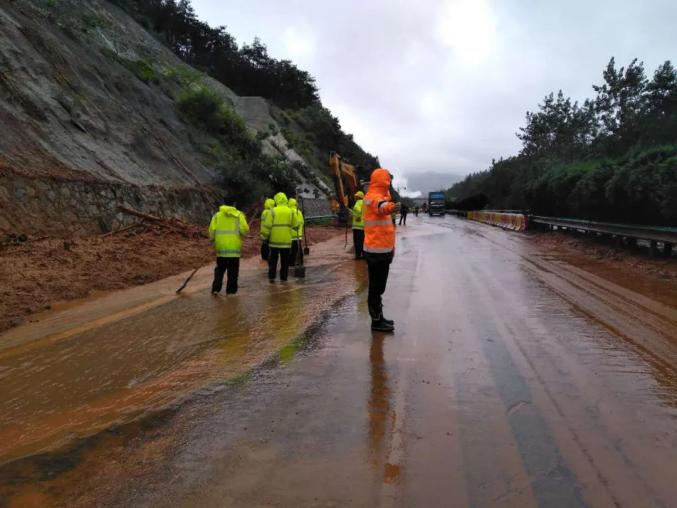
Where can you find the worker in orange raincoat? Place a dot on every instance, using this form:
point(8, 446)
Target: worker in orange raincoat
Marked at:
point(379, 244)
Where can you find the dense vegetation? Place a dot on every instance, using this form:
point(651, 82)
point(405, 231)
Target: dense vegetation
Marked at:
point(612, 158)
point(249, 71)
point(314, 132)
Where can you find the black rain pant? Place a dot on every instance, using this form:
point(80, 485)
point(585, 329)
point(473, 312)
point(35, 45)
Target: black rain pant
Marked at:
point(378, 266)
point(296, 255)
point(284, 255)
point(358, 242)
point(232, 267)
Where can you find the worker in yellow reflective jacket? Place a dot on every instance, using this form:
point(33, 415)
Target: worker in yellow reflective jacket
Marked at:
point(226, 230)
point(268, 205)
point(297, 236)
point(278, 229)
point(358, 225)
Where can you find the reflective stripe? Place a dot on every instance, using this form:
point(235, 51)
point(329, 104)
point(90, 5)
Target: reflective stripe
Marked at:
point(367, 201)
point(235, 231)
point(280, 225)
point(382, 222)
point(228, 251)
point(381, 203)
point(358, 227)
point(378, 250)
point(279, 245)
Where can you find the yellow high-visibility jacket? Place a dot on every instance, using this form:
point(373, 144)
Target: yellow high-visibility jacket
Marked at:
point(279, 226)
point(298, 234)
point(226, 230)
point(358, 218)
point(268, 205)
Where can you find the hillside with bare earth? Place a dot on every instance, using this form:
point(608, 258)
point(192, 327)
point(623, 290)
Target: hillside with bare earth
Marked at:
point(89, 120)
point(98, 116)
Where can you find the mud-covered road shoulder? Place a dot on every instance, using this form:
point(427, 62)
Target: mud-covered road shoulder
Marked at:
point(601, 254)
point(38, 275)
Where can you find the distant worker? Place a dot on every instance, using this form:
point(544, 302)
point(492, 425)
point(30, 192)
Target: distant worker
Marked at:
point(416, 210)
point(297, 235)
point(268, 205)
point(278, 230)
point(358, 225)
point(226, 230)
point(379, 244)
point(403, 215)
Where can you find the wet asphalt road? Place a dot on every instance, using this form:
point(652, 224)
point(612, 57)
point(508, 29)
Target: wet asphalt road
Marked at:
point(515, 377)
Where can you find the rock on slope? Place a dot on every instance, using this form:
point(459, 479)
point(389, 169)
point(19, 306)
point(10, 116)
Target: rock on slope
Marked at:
point(88, 120)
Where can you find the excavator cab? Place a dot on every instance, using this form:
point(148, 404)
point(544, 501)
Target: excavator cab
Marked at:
point(345, 185)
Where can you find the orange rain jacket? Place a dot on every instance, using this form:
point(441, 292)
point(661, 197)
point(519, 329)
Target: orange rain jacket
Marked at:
point(379, 230)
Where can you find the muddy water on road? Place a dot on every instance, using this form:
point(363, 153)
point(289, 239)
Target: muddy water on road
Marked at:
point(158, 349)
point(514, 378)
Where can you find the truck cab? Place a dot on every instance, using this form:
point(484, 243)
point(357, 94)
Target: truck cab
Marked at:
point(436, 203)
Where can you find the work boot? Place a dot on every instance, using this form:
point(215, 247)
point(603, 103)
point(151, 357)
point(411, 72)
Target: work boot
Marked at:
point(388, 321)
point(379, 325)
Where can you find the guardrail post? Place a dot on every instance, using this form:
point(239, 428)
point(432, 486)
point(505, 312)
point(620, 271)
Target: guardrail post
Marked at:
point(668, 249)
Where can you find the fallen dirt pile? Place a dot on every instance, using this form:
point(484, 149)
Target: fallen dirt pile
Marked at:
point(661, 268)
point(37, 273)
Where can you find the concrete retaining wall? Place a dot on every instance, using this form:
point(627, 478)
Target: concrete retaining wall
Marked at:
point(37, 206)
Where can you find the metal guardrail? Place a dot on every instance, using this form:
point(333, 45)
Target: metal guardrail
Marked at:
point(319, 218)
point(665, 235)
point(653, 234)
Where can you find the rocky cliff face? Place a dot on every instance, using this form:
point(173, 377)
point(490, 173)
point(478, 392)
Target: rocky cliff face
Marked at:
point(88, 120)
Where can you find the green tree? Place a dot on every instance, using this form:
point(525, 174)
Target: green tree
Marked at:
point(561, 128)
point(620, 104)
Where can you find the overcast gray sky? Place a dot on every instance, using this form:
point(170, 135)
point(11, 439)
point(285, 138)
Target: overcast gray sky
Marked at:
point(443, 85)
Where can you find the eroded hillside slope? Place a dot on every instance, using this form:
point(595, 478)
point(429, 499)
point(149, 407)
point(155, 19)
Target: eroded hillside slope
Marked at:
point(89, 120)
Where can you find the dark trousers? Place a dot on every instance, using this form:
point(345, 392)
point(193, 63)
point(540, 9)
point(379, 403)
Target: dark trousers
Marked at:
point(223, 265)
point(296, 254)
point(283, 254)
point(264, 251)
point(378, 266)
point(403, 218)
point(358, 242)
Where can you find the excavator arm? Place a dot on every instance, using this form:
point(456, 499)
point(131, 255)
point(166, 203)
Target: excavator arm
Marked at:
point(345, 179)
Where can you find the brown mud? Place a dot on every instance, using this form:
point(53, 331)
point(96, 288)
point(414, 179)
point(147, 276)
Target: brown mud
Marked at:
point(518, 375)
point(39, 275)
point(601, 253)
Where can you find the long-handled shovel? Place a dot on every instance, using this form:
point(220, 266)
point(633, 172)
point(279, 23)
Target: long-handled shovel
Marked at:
point(299, 269)
point(306, 249)
point(185, 283)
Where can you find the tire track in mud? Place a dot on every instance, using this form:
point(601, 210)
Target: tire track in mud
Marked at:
point(650, 327)
point(587, 416)
point(551, 479)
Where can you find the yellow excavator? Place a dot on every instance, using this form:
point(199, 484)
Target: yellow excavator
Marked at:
point(345, 179)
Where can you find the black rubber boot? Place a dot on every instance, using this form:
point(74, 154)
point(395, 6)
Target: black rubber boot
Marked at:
point(388, 321)
point(379, 325)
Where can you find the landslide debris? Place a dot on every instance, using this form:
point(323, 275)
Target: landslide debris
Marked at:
point(38, 272)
